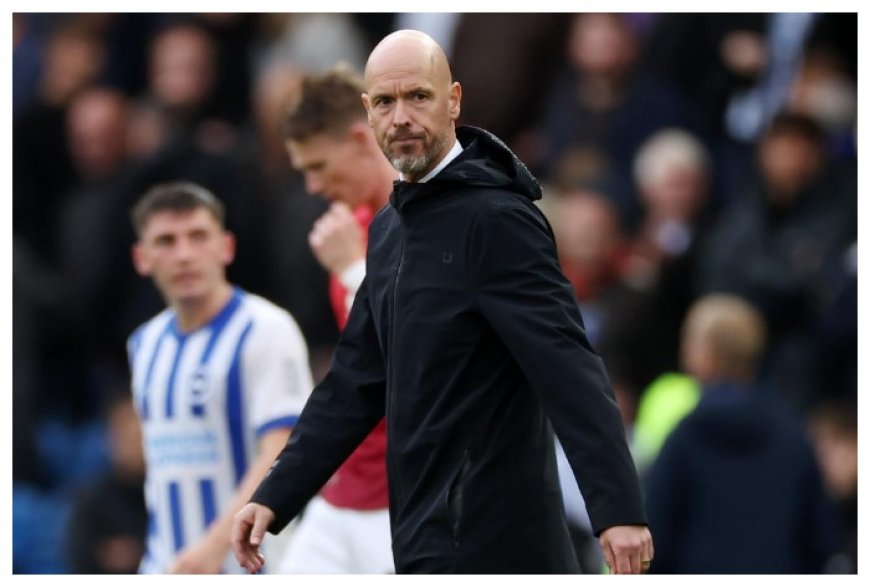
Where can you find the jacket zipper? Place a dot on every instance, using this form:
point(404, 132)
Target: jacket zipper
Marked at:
point(390, 375)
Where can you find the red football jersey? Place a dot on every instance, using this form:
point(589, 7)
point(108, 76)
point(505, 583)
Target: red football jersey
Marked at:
point(361, 481)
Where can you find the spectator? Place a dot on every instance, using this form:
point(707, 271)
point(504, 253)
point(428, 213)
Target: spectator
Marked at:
point(673, 177)
point(740, 67)
point(592, 246)
point(742, 62)
point(90, 252)
point(834, 432)
point(182, 70)
point(71, 60)
point(823, 91)
point(773, 243)
point(602, 101)
point(672, 173)
point(96, 131)
point(108, 524)
point(736, 487)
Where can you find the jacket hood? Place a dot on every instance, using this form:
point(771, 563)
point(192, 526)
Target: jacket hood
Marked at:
point(485, 162)
point(735, 420)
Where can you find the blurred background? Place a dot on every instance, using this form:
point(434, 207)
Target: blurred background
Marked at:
point(681, 155)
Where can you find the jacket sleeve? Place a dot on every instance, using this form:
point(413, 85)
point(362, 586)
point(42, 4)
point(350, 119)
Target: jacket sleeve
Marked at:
point(342, 410)
point(524, 296)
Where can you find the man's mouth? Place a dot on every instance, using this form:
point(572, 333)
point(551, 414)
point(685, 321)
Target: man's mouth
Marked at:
point(185, 277)
point(405, 138)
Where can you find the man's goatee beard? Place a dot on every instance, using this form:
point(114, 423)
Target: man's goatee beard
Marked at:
point(410, 164)
point(414, 165)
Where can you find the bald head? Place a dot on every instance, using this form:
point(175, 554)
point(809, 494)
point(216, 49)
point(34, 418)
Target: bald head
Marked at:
point(412, 102)
point(407, 51)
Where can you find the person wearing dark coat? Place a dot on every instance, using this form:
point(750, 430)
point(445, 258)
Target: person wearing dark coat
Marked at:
point(736, 487)
point(467, 337)
point(783, 243)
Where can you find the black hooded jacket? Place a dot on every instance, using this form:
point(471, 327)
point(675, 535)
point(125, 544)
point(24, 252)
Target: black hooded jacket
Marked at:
point(466, 334)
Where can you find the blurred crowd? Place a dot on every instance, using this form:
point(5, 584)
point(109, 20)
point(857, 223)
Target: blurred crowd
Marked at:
point(681, 155)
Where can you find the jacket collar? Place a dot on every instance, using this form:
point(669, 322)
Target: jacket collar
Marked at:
point(485, 162)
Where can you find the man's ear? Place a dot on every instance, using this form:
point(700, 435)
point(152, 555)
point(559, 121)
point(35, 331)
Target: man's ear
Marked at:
point(454, 99)
point(140, 260)
point(360, 133)
point(228, 254)
point(367, 104)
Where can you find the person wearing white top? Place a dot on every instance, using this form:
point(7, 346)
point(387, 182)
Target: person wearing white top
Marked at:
point(218, 379)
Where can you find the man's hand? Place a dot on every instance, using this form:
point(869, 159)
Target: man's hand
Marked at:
point(249, 528)
point(627, 549)
point(337, 239)
point(205, 556)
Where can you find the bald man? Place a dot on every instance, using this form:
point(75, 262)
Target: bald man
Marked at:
point(466, 335)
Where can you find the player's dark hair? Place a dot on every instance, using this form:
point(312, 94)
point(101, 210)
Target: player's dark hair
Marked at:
point(175, 197)
point(328, 103)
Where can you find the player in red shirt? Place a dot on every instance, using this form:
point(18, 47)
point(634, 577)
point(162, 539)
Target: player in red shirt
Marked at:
point(346, 528)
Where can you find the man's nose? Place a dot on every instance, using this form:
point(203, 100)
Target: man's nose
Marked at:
point(184, 249)
point(401, 115)
point(313, 184)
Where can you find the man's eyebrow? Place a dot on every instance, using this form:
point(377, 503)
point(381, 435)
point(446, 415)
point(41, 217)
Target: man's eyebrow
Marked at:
point(379, 94)
point(425, 89)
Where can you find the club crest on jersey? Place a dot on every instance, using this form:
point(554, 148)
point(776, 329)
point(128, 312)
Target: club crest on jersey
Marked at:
point(199, 390)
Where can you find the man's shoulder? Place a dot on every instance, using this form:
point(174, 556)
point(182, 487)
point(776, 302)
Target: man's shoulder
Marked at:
point(268, 320)
point(494, 199)
point(505, 209)
point(473, 192)
point(263, 310)
point(257, 305)
point(156, 323)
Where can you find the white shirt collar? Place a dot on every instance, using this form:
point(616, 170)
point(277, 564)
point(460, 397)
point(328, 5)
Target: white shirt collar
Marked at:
point(451, 155)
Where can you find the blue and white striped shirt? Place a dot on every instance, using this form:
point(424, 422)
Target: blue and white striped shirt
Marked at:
point(203, 398)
